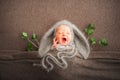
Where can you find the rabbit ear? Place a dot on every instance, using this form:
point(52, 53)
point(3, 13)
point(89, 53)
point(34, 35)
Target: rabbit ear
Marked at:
point(81, 43)
point(46, 42)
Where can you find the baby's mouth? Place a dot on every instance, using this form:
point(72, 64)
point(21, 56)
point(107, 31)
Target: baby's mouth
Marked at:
point(64, 40)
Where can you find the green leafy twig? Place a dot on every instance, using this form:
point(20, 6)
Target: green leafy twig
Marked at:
point(30, 42)
point(92, 40)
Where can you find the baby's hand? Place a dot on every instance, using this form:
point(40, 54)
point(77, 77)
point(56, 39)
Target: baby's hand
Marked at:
point(55, 43)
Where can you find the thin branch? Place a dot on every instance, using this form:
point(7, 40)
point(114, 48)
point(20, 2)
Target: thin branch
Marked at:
point(36, 40)
point(32, 43)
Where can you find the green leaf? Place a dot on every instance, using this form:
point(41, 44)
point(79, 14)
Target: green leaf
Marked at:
point(29, 49)
point(24, 35)
point(103, 42)
point(91, 26)
point(89, 31)
point(29, 46)
point(34, 36)
point(92, 41)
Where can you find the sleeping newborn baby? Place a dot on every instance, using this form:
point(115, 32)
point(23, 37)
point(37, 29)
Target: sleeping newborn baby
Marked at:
point(67, 39)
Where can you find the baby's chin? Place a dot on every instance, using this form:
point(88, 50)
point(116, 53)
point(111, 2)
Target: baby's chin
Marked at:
point(63, 43)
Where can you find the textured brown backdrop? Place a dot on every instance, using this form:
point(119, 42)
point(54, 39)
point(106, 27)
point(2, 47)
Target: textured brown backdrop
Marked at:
point(37, 16)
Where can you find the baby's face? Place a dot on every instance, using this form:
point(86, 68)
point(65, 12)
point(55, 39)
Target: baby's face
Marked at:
point(63, 35)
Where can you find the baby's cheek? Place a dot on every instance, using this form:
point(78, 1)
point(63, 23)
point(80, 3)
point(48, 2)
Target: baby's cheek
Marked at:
point(58, 38)
point(69, 37)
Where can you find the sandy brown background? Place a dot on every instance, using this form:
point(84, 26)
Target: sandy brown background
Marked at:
point(37, 16)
